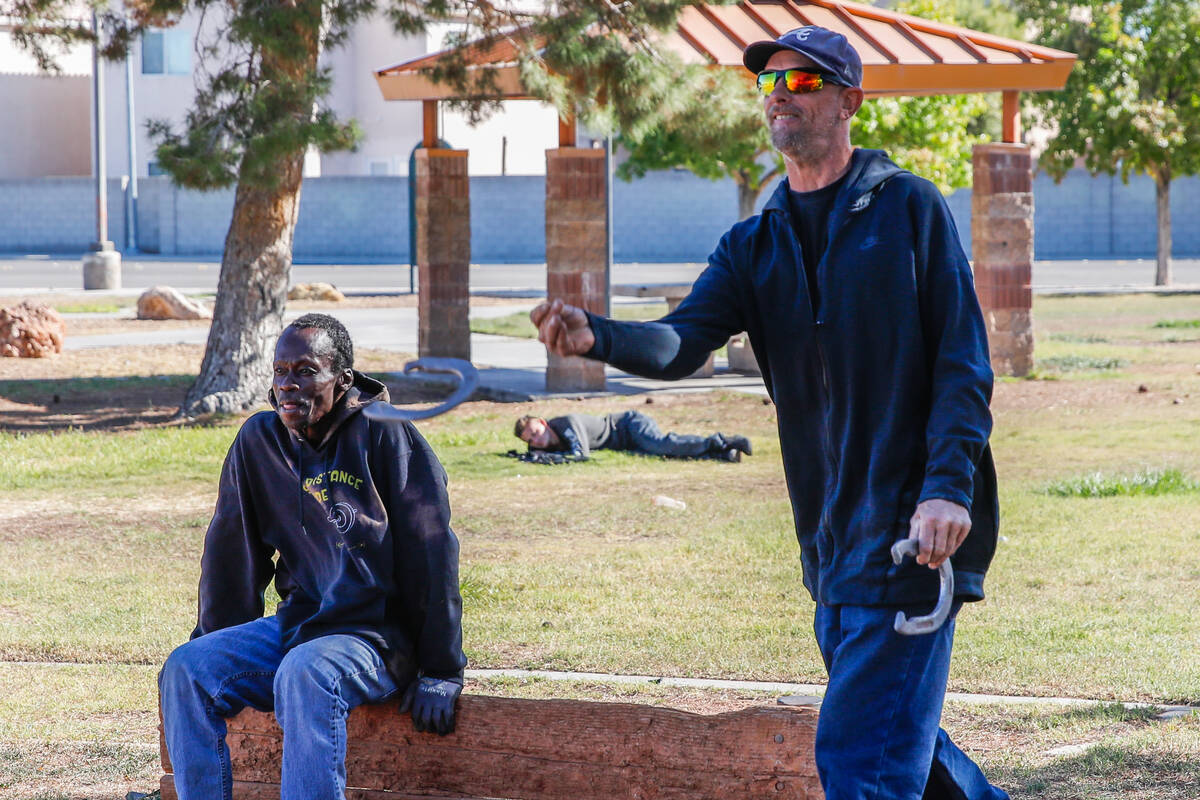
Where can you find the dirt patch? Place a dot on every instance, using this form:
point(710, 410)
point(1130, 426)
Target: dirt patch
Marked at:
point(129, 388)
point(81, 770)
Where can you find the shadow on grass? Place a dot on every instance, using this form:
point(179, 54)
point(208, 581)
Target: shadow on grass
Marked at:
point(1107, 771)
point(91, 403)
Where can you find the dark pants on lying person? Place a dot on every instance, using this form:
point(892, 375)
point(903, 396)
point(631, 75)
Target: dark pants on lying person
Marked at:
point(633, 430)
point(879, 734)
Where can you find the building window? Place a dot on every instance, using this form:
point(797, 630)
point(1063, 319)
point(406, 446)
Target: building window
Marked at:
point(167, 52)
point(379, 168)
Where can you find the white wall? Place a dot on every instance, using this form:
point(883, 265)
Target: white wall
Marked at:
point(46, 126)
point(391, 130)
point(58, 121)
point(154, 97)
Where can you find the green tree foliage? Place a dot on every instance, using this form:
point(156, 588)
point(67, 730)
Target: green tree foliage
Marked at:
point(1130, 105)
point(718, 133)
point(929, 135)
point(717, 129)
point(258, 110)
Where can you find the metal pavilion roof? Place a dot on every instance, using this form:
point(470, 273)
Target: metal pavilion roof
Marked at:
point(902, 54)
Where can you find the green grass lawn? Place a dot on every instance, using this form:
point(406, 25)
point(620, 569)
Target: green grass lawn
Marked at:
point(517, 324)
point(1092, 593)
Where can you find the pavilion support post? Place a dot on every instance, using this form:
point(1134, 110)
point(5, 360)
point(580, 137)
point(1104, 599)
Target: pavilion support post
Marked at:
point(443, 253)
point(1010, 116)
point(1002, 246)
point(576, 257)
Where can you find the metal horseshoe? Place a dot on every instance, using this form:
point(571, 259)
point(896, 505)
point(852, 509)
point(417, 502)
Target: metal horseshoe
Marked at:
point(933, 620)
point(468, 382)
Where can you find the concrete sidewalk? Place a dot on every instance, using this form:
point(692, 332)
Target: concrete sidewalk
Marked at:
point(510, 369)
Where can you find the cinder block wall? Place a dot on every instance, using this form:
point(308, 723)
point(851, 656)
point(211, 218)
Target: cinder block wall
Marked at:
point(666, 216)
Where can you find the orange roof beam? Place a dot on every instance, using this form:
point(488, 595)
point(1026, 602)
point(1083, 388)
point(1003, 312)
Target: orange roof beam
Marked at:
point(902, 55)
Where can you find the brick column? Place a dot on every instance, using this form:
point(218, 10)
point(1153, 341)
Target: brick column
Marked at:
point(575, 253)
point(1002, 246)
point(443, 217)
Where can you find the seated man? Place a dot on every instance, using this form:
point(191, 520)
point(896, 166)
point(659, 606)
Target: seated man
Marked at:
point(350, 517)
point(575, 436)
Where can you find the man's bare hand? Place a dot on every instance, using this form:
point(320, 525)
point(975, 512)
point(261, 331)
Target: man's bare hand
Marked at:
point(940, 526)
point(563, 328)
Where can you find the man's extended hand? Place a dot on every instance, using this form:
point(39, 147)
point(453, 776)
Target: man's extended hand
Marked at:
point(941, 526)
point(563, 328)
point(432, 703)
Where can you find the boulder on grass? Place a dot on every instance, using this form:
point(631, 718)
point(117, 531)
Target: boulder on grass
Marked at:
point(163, 302)
point(316, 291)
point(31, 331)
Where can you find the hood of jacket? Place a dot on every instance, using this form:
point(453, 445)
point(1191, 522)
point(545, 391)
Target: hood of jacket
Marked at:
point(869, 171)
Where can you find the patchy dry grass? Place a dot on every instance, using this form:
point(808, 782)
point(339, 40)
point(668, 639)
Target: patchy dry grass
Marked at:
point(574, 567)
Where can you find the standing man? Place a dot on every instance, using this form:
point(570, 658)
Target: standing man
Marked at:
point(861, 310)
point(350, 517)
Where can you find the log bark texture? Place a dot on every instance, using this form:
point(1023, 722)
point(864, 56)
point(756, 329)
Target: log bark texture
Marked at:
point(552, 750)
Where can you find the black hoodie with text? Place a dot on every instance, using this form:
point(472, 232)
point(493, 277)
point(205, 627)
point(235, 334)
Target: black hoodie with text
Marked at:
point(361, 526)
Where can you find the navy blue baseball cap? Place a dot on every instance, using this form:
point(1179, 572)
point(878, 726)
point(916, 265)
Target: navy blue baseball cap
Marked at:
point(829, 51)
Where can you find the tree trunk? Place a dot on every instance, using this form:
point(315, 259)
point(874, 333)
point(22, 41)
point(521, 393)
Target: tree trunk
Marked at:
point(251, 296)
point(257, 262)
point(1162, 185)
point(748, 192)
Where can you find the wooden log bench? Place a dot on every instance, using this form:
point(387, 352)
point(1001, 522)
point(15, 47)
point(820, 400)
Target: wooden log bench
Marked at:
point(550, 750)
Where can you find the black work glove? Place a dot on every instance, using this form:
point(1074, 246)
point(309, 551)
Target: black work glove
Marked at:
point(431, 701)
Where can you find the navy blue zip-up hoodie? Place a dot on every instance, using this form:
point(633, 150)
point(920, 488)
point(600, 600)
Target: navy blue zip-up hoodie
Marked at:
point(361, 523)
point(882, 392)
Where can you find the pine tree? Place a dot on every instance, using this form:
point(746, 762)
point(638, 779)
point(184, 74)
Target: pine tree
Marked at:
point(259, 111)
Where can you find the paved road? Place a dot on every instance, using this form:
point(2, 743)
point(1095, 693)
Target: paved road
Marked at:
point(509, 367)
point(33, 272)
point(21, 272)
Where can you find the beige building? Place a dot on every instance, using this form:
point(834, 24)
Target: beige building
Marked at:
point(30, 147)
point(48, 130)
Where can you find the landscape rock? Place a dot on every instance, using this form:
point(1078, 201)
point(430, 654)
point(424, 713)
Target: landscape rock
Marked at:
point(316, 291)
point(31, 331)
point(163, 302)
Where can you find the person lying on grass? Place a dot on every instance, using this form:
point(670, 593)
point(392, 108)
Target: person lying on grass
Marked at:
point(350, 517)
point(575, 436)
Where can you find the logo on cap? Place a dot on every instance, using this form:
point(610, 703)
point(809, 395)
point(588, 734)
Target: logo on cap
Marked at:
point(803, 33)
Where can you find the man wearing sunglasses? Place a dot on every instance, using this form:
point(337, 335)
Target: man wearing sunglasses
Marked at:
point(861, 309)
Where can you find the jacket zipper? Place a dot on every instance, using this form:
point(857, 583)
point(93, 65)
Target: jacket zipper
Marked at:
point(830, 457)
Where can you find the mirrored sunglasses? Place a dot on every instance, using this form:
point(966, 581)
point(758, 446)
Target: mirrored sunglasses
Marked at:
point(796, 81)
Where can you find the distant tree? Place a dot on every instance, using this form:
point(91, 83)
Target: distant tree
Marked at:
point(719, 132)
point(259, 109)
point(1130, 105)
point(930, 135)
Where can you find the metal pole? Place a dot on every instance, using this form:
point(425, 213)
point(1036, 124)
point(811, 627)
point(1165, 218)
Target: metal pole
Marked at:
point(607, 226)
point(102, 263)
point(131, 195)
point(98, 120)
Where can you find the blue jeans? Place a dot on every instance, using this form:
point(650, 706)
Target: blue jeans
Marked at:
point(311, 688)
point(635, 431)
point(878, 734)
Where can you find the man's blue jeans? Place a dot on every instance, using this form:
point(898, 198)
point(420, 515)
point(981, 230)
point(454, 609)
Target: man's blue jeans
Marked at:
point(635, 431)
point(878, 735)
point(311, 689)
